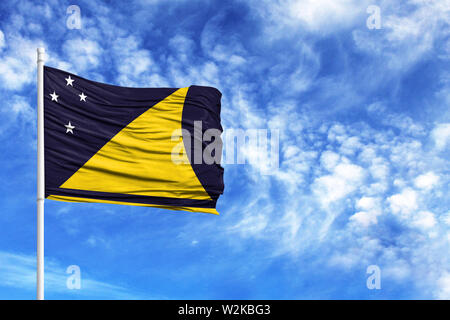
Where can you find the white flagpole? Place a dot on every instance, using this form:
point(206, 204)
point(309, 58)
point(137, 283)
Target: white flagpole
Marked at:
point(40, 175)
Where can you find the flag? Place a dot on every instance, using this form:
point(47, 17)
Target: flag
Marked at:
point(112, 144)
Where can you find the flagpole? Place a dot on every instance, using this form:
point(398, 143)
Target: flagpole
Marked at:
point(40, 175)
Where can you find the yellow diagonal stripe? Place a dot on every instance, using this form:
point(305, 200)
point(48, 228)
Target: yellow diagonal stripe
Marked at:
point(138, 159)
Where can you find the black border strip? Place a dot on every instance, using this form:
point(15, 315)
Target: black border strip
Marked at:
point(131, 198)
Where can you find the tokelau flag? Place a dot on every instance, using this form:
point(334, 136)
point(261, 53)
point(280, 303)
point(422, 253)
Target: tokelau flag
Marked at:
point(112, 144)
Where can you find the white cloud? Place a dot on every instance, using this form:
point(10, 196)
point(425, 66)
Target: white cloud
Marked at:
point(2, 40)
point(403, 203)
point(134, 64)
point(370, 208)
point(395, 120)
point(251, 225)
point(424, 220)
point(313, 15)
point(426, 181)
point(364, 218)
point(367, 154)
point(329, 160)
point(398, 269)
point(183, 46)
point(367, 203)
point(443, 284)
point(320, 15)
point(379, 168)
point(18, 62)
point(17, 113)
point(407, 154)
point(345, 179)
point(441, 135)
point(446, 218)
point(350, 146)
point(407, 34)
point(337, 133)
point(21, 107)
point(84, 54)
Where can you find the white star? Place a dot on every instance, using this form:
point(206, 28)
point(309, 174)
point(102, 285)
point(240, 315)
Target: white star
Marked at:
point(54, 96)
point(82, 97)
point(69, 128)
point(69, 81)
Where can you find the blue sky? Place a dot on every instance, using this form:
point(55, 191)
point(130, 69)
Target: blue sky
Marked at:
point(363, 116)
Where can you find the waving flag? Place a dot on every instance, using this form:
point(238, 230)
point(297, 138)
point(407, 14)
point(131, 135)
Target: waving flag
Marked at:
point(113, 144)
